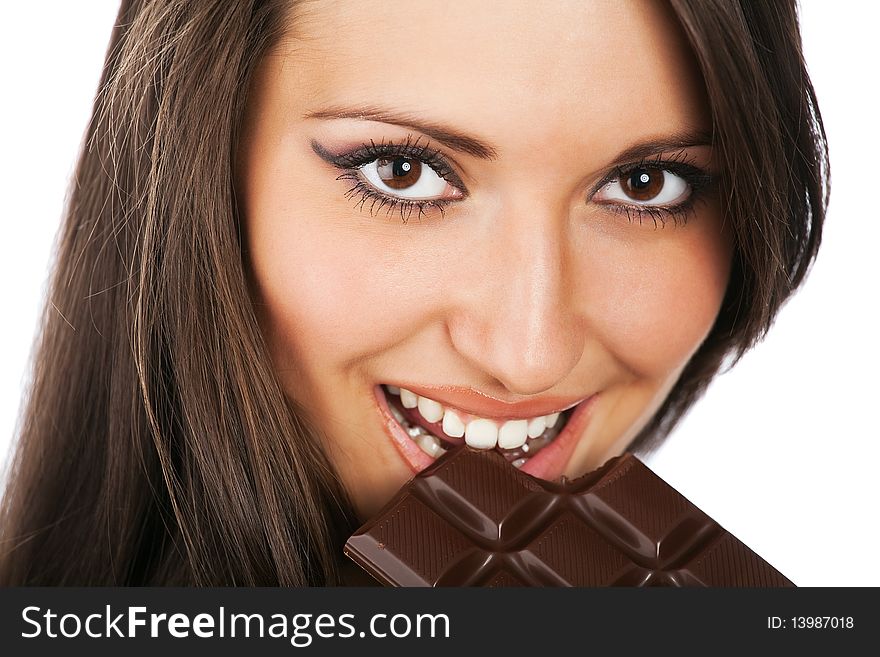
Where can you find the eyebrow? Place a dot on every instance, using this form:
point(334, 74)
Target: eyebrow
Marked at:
point(463, 143)
point(447, 136)
point(674, 142)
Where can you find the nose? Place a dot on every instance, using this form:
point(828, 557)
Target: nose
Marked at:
point(517, 319)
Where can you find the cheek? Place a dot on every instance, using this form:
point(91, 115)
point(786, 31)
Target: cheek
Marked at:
point(330, 294)
point(654, 303)
point(332, 286)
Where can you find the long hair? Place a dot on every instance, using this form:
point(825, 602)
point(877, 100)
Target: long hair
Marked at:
point(771, 147)
point(157, 446)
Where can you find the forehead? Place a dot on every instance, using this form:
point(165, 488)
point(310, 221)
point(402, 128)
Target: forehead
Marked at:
point(519, 73)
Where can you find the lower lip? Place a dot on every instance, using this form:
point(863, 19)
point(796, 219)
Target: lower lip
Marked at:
point(548, 464)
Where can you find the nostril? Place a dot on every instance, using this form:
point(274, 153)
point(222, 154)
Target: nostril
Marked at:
point(520, 322)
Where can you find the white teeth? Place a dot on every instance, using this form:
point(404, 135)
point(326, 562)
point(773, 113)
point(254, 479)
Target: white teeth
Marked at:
point(537, 426)
point(397, 414)
point(512, 434)
point(482, 434)
point(408, 399)
point(415, 432)
point(518, 463)
point(432, 411)
point(430, 445)
point(452, 425)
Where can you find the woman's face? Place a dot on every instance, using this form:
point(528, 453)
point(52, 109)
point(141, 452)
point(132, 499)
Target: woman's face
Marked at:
point(501, 207)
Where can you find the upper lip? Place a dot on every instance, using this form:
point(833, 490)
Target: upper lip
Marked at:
point(480, 404)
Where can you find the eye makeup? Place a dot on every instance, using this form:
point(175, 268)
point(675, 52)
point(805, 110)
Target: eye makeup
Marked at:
point(680, 165)
point(351, 162)
point(698, 181)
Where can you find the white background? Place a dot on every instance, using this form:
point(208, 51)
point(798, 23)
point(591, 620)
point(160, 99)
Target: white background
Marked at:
point(783, 451)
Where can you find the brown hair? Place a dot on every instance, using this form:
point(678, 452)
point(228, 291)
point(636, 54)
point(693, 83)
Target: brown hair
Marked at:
point(157, 446)
point(770, 144)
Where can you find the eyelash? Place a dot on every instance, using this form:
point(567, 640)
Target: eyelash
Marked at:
point(678, 164)
point(351, 162)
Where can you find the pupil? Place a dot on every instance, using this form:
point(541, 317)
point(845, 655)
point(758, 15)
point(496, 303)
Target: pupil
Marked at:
point(643, 184)
point(400, 172)
point(641, 179)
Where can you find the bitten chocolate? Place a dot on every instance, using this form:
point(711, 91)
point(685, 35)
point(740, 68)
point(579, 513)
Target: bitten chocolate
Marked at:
point(472, 519)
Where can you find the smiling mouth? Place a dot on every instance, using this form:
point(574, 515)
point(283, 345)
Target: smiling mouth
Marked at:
point(434, 427)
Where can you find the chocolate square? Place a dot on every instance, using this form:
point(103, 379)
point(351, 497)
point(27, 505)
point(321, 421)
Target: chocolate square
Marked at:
point(472, 519)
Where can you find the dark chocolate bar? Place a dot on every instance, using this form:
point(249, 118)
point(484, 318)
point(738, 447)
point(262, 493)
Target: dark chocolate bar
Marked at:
point(472, 519)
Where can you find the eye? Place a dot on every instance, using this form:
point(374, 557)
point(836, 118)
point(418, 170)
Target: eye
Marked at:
point(646, 185)
point(407, 178)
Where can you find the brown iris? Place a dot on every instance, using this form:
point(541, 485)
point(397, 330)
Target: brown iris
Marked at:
point(643, 183)
point(399, 172)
